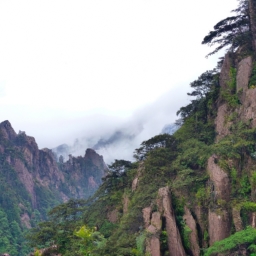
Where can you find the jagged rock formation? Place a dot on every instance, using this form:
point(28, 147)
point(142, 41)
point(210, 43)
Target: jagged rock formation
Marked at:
point(42, 180)
point(193, 236)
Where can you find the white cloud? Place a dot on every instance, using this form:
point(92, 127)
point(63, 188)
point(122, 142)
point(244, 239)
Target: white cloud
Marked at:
point(68, 66)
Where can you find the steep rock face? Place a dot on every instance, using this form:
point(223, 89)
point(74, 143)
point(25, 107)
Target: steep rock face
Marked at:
point(219, 178)
point(219, 224)
point(125, 204)
point(85, 172)
point(248, 110)
point(244, 71)
point(193, 236)
point(199, 213)
point(7, 131)
point(237, 219)
point(135, 181)
point(153, 246)
point(220, 218)
point(222, 127)
point(174, 240)
point(39, 181)
point(225, 71)
point(153, 225)
point(146, 212)
point(113, 216)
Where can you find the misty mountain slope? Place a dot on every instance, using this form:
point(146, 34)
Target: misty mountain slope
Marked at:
point(32, 182)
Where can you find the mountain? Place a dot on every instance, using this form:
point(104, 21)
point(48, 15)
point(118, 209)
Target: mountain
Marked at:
point(189, 193)
point(32, 182)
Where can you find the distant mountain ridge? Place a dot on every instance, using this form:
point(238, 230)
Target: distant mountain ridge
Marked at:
point(116, 139)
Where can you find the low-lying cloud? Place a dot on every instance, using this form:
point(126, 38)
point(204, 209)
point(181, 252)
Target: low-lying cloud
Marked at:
point(117, 138)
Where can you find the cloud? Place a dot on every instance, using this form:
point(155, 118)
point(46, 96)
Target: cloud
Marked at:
point(116, 138)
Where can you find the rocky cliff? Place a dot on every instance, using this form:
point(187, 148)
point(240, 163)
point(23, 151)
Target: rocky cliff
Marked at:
point(32, 181)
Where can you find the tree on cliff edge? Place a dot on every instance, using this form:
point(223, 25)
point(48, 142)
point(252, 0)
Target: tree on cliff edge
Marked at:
point(235, 31)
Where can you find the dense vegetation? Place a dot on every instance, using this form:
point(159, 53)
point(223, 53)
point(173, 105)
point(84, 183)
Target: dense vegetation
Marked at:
point(111, 221)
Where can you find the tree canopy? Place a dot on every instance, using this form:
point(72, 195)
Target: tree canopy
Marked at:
point(233, 31)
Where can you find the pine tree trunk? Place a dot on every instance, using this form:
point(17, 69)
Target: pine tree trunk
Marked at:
point(252, 14)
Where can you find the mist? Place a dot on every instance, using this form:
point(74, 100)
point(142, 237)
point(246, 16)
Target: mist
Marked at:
point(117, 137)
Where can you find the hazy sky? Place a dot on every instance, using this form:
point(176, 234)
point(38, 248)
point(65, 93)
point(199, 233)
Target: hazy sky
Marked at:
point(68, 68)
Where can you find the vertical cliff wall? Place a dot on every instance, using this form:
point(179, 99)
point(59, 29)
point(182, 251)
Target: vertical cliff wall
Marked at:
point(36, 181)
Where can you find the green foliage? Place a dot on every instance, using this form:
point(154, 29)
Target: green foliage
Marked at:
point(107, 228)
point(140, 243)
point(59, 229)
point(247, 236)
point(206, 236)
point(239, 142)
point(233, 31)
point(91, 241)
point(203, 195)
point(197, 117)
point(186, 231)
point(37, 253)
point(229, 93)
point(158, 141)
point(190, 163)
point(249, 206)
point(253, 180)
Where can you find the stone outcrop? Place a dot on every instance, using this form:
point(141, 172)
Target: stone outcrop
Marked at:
point(154, 229)
point(244, 71)
point(247, 112)
point(25, 220)
point(39, 173)
point(153, 226)
point(237, 219)
point(146, 212)
point(153, 246)
point(219, 178)
point(219, 225)
point(135, 183)
point(253, 220)
point(113, 216)
point(219, 221)
point(221, 125)
point(6, 131)
point(125, 204)
point(156, 220)
point(165, 207)
point(200, 216)
point(193, 236)
point(225, 71)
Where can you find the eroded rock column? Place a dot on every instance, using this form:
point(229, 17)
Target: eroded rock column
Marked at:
point(219, 219)
point(174, 240)
point(193, 237)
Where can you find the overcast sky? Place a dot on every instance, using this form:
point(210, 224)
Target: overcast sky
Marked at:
point(68, 68)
